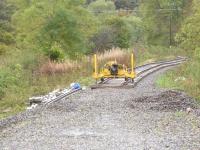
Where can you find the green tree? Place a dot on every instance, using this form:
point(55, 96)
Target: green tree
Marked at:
point(104, 39)
point(126, 30)
point(6, 29)
point(162, 20)
point(40, 24)
point(189, 35)
point(63, 29)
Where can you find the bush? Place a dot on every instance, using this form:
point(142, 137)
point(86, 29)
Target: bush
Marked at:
point(103, 40)
point(126, 30)
point(64, 30)
point(189, 36)
point(56, 55)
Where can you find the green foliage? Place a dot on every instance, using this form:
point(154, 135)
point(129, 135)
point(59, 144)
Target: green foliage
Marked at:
point(63, 29)
point(121, 29)
point(149, 54)
point(126, 29)
point(3, 82)
point(89, 1)
point(197, 53)
point(103, 39)
point(118, 31)
point(3, 48)
point(184, 78)
point(6, 30)
point(9, 77)
point(56, 54)
point(40, 24)
point(189, 36)
point(67, 29)
point(162, 19)
point(101, 6)
point(126, 4)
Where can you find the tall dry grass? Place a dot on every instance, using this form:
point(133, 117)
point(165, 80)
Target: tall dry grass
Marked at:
point(120, 55)
point(51, 68)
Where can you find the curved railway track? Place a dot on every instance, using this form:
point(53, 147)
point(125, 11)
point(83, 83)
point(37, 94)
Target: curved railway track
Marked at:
point(141, 71)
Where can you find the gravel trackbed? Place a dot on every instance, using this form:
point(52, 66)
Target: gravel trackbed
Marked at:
point(143, 118)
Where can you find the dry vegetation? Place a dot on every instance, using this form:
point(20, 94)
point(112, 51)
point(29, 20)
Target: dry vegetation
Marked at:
point(120, 55)
point(51, 68)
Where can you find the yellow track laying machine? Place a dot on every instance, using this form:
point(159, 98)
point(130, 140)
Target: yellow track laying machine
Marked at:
point(112, 69)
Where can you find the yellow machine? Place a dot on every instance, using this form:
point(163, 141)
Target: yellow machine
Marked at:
point(114, 70)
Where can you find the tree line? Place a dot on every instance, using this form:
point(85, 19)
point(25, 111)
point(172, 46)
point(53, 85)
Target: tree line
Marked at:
point(71, 28)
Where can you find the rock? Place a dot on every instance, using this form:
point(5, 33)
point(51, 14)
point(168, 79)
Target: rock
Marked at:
point(35, 99)
point(84, 88)
point(32, 106)
point(188, 110)
point(180, 79)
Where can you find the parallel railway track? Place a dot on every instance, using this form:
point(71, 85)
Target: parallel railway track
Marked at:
point(141, 71)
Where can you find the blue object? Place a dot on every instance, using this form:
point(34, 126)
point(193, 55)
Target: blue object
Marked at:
point(75, 86)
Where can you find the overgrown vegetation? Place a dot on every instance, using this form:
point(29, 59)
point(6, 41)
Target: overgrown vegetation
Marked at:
point(46, 45)
point(187, 76)
point(6, 29)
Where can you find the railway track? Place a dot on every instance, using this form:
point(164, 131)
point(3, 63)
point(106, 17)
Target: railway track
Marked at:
point(141, 71)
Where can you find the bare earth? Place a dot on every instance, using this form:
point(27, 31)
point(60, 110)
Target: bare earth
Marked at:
point(142, 118)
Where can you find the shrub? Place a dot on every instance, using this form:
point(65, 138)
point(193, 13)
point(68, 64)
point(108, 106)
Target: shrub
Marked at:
point(56, 55)
point(103, 40)
point(9, 77)
point(63, 29)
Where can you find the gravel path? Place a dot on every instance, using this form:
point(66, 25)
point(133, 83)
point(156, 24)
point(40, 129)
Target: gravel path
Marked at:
point(142, 118)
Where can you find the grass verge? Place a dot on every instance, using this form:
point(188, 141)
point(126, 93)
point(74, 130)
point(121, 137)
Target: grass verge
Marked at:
point(185, 77)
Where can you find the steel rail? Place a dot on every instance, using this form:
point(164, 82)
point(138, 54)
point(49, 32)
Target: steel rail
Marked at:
point(153, 67)
point(158, 64)
point(139, 78)
point(62, 96)
point(161, 62)
point(147, 72)
point(140, 75)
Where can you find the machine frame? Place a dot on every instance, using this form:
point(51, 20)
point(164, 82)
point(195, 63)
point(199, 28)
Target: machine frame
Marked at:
point(123, 71)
